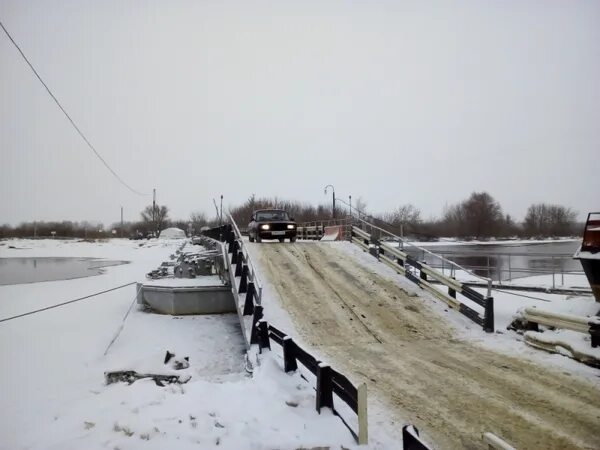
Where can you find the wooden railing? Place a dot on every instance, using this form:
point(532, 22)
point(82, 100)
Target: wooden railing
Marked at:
point(391, 253)
point(315, 230)
point(329, 381)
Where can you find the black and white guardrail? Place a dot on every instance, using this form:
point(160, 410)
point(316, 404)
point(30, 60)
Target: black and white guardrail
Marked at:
point(419, 273)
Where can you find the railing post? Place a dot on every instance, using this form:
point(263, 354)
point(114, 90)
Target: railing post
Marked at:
point(488, 319)
point(452, 292)
point(595, 335)
point(258, 314)
point(244, 280)
point(249, 301)
point(238, 265)
point(289, 355)
point(263, 335)
point(324, 387)
point(234, 249)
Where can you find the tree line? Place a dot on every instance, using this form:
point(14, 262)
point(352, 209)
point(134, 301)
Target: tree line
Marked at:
point(152, 220)
point(479, 216)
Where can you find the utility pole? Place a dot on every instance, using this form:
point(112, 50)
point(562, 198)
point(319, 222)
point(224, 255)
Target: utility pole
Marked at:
point(121, 222)
point(333, 205)
point(154, 210)
point(221, 219)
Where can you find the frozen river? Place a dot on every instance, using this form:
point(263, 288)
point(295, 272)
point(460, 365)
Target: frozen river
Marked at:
point(31, 270)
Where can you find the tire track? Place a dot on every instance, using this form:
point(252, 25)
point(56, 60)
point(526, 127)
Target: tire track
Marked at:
point(453, 390)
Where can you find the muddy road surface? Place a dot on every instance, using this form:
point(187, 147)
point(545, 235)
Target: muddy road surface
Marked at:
point(452, 390)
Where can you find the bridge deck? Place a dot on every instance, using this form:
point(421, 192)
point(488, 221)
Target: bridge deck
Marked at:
point(454, 391)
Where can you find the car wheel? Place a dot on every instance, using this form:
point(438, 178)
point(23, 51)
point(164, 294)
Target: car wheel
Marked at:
point(293, 239)
point(258, 239)
point(281, 239)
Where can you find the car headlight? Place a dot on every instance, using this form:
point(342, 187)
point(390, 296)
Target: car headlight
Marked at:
point(291, 227)
point(264, 227)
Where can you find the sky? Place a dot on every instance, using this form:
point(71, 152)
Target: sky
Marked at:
point(392, 101)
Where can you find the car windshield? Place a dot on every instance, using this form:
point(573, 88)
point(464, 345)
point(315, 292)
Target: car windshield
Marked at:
point(271, 215)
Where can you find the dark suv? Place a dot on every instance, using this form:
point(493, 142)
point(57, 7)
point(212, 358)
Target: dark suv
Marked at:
point(271, 224)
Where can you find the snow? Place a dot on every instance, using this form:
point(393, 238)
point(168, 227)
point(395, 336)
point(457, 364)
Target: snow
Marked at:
point(52, 387)
point(586, 255)
point(200, 281)
point(172, 233)
point(506, 305)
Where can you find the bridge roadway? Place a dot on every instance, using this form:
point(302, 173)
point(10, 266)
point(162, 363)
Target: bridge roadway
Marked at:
point(375, 331)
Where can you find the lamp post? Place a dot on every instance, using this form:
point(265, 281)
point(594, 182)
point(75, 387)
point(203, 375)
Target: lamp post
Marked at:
point(350, 204)
point(333, 205)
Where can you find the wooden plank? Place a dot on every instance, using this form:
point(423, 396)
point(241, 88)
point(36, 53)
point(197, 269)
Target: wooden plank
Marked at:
point(360, 243)
point(361, 233)
point(453, 303)
point(363, 424)
point(494, 442)
point(450, 282)
point(394, 265)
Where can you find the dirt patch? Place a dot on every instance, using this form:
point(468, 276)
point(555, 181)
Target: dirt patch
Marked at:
point(454, 391)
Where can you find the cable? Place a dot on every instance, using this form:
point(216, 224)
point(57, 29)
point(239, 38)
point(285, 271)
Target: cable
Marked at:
point(65, 303)
point(522, 295)
point(69, 117)
point(118, 333)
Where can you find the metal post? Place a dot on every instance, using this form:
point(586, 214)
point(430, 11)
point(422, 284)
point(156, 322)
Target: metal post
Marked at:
point(509, 269)
point(488, 320)
point(263, 335)
point(121, 222)
point(333, 205)
point(553, 285)
point(350, 204)
point(324, 387)
point(289, 357)
point(154, 210)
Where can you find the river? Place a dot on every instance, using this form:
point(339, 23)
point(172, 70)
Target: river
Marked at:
point(506, 261)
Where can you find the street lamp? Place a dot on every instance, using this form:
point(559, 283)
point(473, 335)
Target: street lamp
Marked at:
point(333, 205)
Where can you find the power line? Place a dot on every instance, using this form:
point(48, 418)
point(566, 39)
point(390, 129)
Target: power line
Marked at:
point(65, 303)
point(67, 115)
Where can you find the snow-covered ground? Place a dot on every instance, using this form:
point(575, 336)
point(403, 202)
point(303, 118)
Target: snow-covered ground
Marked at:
point(52, 387)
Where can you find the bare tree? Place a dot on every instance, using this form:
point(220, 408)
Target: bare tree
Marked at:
point(480, 216)
point(549, 220)
point(198, 219)
point(156, 220)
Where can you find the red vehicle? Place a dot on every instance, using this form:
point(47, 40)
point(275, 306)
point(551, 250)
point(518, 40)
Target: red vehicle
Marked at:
point(589, 252)
point(271, 224)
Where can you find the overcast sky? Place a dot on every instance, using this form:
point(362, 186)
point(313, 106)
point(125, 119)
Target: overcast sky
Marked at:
point(395, 101)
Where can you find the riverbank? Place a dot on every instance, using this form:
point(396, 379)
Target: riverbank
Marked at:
point(53, 383)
